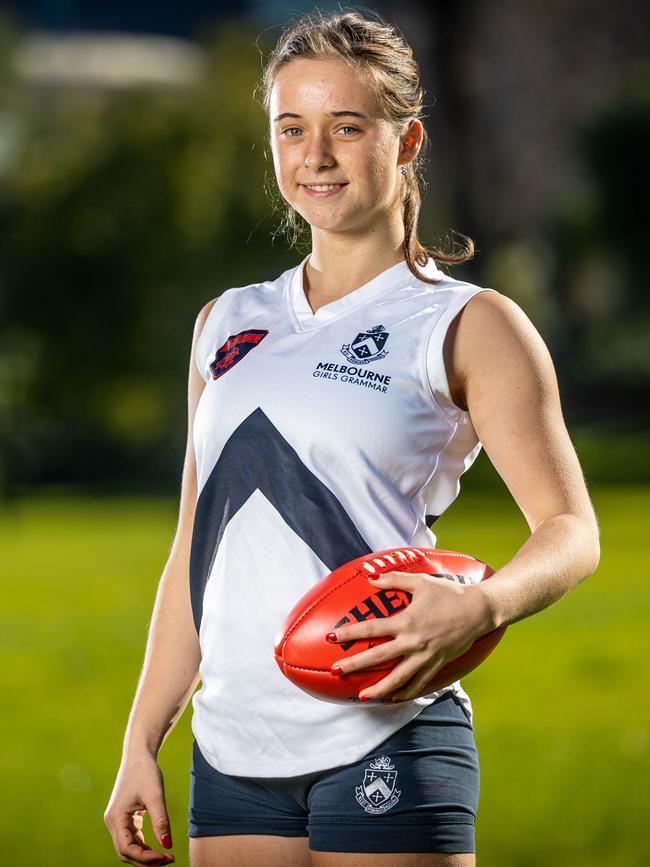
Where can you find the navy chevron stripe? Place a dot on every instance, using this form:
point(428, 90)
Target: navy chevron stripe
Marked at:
point(257, 456)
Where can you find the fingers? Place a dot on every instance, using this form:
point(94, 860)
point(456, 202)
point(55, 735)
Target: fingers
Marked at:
point(134, 853)
point(416, 686)
point(367, 658)
point(159, 819)
point(403, 580)
point(374, 627)
point(129, 841)
point(399, 627)
point(402, 672)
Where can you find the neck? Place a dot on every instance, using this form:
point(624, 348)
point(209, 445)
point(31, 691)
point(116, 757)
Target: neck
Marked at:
point(339, 264)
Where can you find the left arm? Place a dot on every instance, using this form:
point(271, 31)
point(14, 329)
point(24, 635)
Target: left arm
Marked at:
point(499, 369)
point(511, 391)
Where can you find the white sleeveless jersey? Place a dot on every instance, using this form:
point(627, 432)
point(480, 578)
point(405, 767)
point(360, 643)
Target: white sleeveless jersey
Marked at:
point(319, 437)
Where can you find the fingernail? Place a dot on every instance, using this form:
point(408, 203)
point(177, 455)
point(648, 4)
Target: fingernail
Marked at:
point(364, 698)
point(166, 841)
point(374, 577)
point(336, 669)
point(331, 636)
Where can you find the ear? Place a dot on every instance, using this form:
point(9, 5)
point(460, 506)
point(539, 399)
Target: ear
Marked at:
point(411, 142)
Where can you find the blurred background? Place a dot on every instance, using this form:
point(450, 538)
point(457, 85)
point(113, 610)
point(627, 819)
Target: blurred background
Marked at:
point(134, 187)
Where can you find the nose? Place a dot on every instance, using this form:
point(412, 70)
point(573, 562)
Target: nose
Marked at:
point(318, 152)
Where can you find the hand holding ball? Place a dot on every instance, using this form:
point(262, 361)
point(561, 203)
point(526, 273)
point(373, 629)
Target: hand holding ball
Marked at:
point(346, 595)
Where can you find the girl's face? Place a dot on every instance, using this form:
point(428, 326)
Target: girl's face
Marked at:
point(326, 129)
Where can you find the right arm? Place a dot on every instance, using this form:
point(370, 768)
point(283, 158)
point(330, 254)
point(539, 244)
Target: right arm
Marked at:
point(169, 674)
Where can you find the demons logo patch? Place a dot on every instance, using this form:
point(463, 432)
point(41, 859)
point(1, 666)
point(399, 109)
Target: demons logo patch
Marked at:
point(234, 349)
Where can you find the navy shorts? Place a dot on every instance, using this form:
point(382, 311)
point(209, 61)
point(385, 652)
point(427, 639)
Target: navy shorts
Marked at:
point(417, 791)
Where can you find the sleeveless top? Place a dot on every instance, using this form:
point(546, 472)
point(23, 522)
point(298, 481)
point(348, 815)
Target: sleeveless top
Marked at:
point(318, 437)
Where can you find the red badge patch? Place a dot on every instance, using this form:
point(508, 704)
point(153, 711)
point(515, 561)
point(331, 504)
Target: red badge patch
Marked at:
point(234, 349)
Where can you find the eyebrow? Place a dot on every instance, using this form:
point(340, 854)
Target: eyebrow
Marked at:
point(331, 114)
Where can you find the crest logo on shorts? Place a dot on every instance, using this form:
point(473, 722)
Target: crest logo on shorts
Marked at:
point(367, 346)
point(234, 349)
point(377, 792)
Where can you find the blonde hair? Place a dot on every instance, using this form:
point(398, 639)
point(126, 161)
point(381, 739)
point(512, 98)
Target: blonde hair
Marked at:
point(376, 50)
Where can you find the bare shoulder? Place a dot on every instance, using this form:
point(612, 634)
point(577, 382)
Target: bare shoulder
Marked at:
point(203, 314)
point(490, 336)
point(491, 321)
point(196, 381)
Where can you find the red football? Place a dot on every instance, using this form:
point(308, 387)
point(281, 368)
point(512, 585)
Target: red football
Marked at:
point(344, 596)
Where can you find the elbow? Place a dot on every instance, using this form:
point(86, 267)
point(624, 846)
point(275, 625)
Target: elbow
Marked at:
point(594, 560)
point(592, 548)
point(586, 544)
point(596, 555)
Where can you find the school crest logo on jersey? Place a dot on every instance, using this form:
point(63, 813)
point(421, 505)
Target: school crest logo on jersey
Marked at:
point(377, 792)
point(234, 349)
point(367, 346)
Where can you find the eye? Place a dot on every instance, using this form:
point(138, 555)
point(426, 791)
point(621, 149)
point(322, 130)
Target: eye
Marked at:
point(291, 129)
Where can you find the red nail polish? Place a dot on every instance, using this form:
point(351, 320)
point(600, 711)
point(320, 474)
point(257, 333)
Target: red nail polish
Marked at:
point(336, 669)
point(331, 636)
point(364, 698)
point(166, 841)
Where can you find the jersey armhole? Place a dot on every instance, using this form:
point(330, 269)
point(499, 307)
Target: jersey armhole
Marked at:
point(435, 370)
point(204, 347)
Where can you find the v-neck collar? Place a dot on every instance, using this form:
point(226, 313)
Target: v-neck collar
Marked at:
point(392, 277)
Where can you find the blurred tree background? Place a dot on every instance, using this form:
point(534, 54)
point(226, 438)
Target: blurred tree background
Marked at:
point(122, 213)
point(125, 205)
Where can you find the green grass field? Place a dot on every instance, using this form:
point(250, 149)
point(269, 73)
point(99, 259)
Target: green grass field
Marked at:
point(561, 712)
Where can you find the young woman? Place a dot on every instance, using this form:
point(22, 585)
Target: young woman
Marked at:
point(339, 404)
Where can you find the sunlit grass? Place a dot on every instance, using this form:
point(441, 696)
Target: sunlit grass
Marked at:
point(560, 709)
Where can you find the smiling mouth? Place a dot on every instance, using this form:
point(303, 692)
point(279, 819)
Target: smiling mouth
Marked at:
point(324, 187)
point(323, 191)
